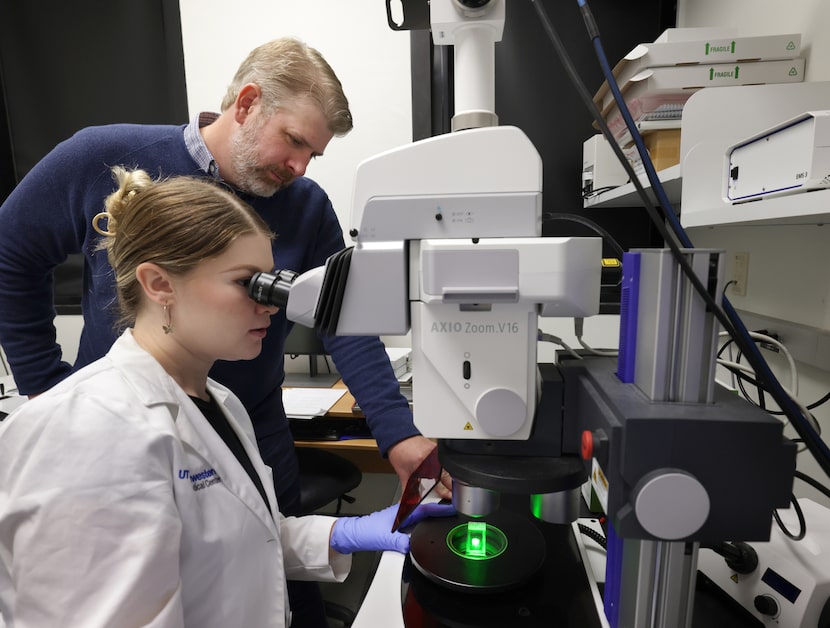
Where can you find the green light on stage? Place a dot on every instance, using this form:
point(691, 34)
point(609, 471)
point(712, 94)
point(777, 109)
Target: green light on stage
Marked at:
point(476, 540)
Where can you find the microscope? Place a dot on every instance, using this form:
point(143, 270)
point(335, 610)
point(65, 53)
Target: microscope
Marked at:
point(447, 246)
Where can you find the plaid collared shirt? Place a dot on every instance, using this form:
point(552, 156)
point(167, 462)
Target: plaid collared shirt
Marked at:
point(196, 144)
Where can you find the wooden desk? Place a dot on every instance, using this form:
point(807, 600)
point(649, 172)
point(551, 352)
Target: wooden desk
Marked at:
point(363, 452)
point(343, 407)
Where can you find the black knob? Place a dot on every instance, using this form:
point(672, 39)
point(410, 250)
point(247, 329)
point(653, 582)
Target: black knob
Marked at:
point(766, 605)
point(743, 558)
point(353, 232)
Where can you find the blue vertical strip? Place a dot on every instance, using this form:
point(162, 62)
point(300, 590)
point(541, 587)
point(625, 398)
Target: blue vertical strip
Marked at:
point(613, 576)
point(629, 299)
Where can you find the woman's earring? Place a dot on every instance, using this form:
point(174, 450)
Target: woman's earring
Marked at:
point(168, 323)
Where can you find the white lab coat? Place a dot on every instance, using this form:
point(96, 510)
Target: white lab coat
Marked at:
point(120, 506)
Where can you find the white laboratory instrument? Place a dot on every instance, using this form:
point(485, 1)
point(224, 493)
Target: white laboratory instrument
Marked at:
point(601, 170)
point(791, 584)
point(789, 158)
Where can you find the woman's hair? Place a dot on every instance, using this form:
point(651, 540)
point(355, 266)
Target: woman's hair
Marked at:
point(286, 69)
point(175, 223)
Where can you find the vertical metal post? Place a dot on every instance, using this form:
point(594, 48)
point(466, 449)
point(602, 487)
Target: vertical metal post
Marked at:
point(657, 584)
point(676, 334)
point(675, 361)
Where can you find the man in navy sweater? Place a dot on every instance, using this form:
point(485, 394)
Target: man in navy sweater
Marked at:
point(283, 107)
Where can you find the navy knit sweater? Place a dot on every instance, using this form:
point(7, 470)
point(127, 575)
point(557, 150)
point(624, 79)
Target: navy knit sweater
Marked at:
point(49, 215)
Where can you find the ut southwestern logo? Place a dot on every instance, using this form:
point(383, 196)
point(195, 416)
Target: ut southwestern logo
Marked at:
point(202, 479)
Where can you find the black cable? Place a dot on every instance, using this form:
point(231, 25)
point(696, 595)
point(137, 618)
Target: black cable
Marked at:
point(725, 314)
point(814, 483)
point(802, 525)
point(587, 222)
point(744, 377)
point(739, 556)
point(821, 401)
point(593, 534)
point(724, 346)
point(597, 191)
point(811, 406)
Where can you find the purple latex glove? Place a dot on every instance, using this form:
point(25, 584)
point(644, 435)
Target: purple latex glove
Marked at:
point(368, 533)
point(424, 511)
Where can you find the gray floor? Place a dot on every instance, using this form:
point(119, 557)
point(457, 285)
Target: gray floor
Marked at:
point(376, 491)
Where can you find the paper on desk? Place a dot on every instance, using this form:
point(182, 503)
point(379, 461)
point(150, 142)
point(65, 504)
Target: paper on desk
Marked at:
point(9, 399)
point(8, 384)
point(309, 402)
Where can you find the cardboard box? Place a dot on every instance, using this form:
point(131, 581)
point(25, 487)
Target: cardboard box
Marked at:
point(663, 148)
point(694, 46)
point(679, 79)
point(647, 128)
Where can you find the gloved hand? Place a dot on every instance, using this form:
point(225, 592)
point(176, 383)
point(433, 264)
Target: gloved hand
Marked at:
point(368, 533)
point(423, 511)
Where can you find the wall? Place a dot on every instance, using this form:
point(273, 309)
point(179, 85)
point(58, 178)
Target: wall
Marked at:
point(786, 274)
point(371, 60)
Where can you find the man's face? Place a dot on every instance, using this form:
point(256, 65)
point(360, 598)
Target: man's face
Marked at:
point(269, 152)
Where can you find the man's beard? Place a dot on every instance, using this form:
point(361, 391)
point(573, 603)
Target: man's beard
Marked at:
point(248, 176)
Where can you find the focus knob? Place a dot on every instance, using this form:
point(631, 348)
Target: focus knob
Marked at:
point(500, 412)
point(689, 499)
point(766, 605)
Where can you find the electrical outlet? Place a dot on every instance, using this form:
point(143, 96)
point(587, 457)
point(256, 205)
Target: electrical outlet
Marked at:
point(740, 274)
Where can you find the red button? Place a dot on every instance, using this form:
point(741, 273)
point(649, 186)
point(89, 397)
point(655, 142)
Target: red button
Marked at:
point(587, 445)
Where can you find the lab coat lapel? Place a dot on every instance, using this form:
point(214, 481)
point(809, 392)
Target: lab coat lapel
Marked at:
point(155, 388)
point(196, 431)
point(248, 440)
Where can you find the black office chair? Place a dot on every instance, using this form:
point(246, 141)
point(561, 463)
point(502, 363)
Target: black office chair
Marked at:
point(326, 477)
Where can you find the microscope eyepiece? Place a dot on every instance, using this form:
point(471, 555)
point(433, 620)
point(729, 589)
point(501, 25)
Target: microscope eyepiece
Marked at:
point(474, 4)
point(271, 288)
point(474, 8)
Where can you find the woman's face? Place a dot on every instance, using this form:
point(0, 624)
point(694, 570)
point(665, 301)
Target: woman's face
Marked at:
point(213, 317)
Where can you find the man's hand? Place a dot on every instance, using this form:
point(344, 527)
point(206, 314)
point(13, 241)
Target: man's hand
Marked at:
point(408, 454)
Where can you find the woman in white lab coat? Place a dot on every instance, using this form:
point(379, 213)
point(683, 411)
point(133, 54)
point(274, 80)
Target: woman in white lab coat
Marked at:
point(132, 493)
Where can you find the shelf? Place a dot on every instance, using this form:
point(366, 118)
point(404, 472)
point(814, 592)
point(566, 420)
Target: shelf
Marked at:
point(627, 196)
point(795, 209)
point(716, 119)
point(713, 120)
